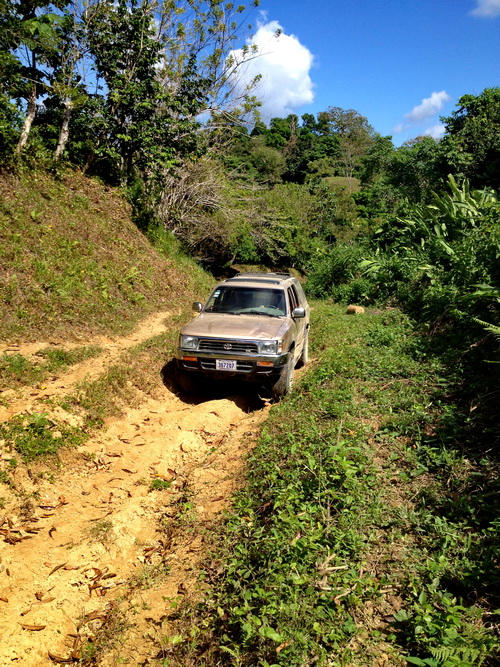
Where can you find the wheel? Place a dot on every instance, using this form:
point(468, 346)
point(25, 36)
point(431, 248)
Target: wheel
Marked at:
point(284, 383)
point(304, 357)
point(186, 381)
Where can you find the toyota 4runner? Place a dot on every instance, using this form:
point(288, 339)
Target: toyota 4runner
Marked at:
point(253, 327)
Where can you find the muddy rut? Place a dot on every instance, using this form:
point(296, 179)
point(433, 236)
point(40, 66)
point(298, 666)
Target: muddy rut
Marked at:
point(96, 550)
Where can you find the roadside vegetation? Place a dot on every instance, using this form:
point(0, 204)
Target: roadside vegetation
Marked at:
point(367, 533)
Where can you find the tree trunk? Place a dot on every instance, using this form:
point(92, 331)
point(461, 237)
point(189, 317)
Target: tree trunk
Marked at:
point(28, 122)
point(64, 133)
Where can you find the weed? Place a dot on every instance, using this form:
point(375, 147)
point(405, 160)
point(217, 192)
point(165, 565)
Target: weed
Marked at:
point(149, 575)
point(17, 370)
point(36, 435)
point(5, 478)
point(159, 485)
point(102, 637)
point(101, 531)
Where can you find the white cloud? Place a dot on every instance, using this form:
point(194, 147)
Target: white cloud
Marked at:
point(429, 107)
point(435, 131)
point(284, 64)
point(487, 9)
point(422, 113)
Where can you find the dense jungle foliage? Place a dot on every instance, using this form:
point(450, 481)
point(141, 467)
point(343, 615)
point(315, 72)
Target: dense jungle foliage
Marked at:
point(144, 97)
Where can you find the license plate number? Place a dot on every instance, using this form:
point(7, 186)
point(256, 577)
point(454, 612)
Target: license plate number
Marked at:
point(225, 364)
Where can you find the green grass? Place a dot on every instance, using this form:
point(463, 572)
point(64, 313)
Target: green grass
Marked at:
point(36, 435)
point(73, 263)
point(352, 539)
point(350, 184)
point(17, 370)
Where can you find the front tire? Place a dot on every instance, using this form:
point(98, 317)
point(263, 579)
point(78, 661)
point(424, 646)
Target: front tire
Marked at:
point(284, 383)
point(186, 381)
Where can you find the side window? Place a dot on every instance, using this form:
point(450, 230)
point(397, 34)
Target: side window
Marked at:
point(293, 298)
point(300, 292)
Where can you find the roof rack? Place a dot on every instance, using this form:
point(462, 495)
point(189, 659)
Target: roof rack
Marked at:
point(264, 274)
point(273, 280)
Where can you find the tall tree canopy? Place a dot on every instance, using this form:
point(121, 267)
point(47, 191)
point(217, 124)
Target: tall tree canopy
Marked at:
point(472, 143)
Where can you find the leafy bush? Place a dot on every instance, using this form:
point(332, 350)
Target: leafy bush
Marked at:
point(338, 268)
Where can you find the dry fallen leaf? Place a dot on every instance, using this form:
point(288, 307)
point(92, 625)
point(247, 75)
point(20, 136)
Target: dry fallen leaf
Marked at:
point(60, 660)
point(284, 645)
point(33, 628)
point(57, 567)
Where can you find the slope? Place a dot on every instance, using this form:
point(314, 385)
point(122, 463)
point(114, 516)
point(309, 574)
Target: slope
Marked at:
point(108, 477)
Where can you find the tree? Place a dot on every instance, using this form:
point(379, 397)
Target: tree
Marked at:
point(471, 146)
point(269, 162)
point(30, 40)
point(68, 89)
point(354, 133)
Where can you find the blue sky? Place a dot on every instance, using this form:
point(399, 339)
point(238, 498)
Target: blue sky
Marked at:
point(400, 63)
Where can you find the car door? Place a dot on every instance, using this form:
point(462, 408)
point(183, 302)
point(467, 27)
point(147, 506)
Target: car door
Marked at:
point(299, 324)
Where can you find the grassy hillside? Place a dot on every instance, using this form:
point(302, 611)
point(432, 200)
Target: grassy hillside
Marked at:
point(72, 263)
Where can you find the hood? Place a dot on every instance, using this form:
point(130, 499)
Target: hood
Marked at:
point(223, 325)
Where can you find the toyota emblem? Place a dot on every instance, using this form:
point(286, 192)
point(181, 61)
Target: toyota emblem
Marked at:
point(227, 346)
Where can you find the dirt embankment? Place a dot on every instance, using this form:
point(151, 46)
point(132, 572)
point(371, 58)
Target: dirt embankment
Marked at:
point(100, 546)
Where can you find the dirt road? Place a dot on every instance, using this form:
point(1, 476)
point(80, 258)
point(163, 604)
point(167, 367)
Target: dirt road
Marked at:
point(100, 547)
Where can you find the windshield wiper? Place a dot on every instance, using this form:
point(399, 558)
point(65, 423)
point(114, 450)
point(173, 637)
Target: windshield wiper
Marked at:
point(259, 312)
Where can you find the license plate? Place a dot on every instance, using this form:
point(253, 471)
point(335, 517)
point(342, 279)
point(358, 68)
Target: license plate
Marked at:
point(225, 365)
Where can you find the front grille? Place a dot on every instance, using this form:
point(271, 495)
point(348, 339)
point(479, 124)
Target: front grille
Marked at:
point(227, 346)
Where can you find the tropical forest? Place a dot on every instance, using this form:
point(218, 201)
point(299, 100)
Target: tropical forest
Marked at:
point(355, 522)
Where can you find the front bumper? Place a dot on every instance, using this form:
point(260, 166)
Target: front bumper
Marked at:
point(248, 366)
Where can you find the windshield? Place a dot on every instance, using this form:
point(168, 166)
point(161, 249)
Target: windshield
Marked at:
point(247, 300)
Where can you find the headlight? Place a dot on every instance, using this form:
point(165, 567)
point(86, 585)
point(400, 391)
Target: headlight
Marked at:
point(269, 347)
point(189, 342)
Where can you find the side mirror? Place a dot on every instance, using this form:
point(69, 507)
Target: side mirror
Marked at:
point(298, 313)
point(197, 307)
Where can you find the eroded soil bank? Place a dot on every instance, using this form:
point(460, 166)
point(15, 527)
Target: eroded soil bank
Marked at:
point(98, 546)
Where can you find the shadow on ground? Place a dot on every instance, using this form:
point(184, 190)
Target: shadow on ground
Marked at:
point(246, 395)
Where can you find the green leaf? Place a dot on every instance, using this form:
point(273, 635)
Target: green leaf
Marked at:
point(269, 633)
